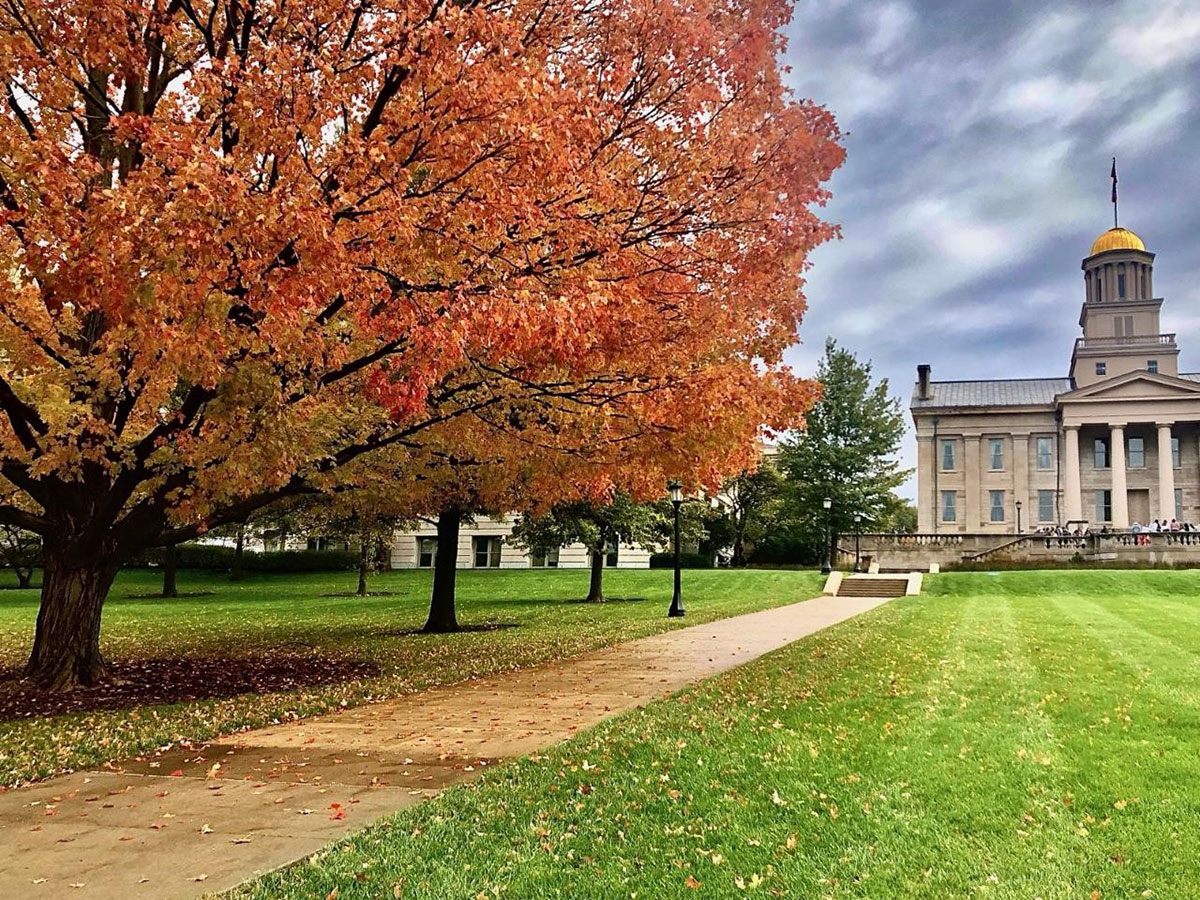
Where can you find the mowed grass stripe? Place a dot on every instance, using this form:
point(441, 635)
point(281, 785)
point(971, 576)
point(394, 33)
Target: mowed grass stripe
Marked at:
point(992, 741)
point(1119, 806)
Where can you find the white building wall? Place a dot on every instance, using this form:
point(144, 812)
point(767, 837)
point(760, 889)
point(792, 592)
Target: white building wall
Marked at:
point(405, 543)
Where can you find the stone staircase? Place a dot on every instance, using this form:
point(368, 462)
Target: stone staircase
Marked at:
point(874, 585)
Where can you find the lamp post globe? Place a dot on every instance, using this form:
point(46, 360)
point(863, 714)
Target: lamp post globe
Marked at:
point(675, 492)
point(826, 565)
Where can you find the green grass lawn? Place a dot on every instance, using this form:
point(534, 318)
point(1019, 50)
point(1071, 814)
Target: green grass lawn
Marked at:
point(267, 618)
point(1020, 735)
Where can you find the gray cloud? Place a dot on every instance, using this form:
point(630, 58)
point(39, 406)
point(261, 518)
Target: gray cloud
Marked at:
point(978, 139)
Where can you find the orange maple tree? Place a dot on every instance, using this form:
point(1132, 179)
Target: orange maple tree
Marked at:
point(250, 244)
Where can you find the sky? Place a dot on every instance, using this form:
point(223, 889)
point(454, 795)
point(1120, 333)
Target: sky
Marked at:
point(979, 141)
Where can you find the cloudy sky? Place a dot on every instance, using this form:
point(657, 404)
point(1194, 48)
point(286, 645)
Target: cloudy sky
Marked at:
point(979, 138)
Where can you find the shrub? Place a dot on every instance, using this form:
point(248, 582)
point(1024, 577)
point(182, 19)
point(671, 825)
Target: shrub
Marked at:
point(686, 561)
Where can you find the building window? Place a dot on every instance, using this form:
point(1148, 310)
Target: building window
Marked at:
point(426, 552)
point(1045, 506)
point(1101, 368)
point(1178, 504)
point(1121, 281)
point(1152, 366)
point(611, 551)
point(1045, 453)
point(1100, 452)
point(545, 559)
point(486, 552)
point(996, 454)
point(997, 506)
point(1103, 506)
point(947, 456)
point(949, 510)
point(1175, 452)
point(1099, 286)
point(1137, 453)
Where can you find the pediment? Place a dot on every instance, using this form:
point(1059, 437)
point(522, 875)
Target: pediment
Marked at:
point(1136, 386)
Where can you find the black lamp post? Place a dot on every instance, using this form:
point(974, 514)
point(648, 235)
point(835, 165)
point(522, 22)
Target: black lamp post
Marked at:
point(676, 610)
point(826, 566)
point(1018, 517)
point(857, 532)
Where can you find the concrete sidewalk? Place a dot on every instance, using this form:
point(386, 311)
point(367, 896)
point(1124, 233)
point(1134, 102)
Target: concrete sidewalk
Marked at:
point(191, 822)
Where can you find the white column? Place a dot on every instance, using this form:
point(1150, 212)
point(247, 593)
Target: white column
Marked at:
point(1120, 493)
point(1166, 474)
point(1072, 499)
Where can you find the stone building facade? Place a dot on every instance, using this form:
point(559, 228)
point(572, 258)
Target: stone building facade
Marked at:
point(1113, 442)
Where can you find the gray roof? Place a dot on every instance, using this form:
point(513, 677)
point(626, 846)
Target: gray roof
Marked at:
point(1001, 392)
point(1190, 376)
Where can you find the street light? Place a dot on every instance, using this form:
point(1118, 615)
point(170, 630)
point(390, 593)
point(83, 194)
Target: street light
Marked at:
point(1018, 517)
point(857, 531)
point(826, 566)
point(675, 491)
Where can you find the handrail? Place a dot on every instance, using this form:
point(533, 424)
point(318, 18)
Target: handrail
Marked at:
point(971, 557)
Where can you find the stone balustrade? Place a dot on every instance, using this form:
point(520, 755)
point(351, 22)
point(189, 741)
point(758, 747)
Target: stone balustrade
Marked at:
point(906, 552)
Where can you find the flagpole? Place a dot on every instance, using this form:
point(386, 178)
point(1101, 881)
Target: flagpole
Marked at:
point(1114, 192)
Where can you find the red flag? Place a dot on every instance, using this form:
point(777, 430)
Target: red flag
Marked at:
point(1114, 180)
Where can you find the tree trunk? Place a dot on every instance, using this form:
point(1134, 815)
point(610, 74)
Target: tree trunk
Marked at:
point(442, 617)
point(364, 562)
point(169, 565)
point(739, 552)
point(24, 577)
point(66, 644)
point(239, 547)
point(596, 587)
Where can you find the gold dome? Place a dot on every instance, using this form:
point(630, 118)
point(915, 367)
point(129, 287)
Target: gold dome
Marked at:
point(1117, 239)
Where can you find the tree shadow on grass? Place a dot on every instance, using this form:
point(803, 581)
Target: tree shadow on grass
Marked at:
point(181, 680)
point(579, 599)
point(157, 595)
point(582, 601)
point(369, 594)
point(462, 629)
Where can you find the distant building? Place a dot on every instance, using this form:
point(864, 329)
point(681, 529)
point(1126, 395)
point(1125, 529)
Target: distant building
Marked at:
point(485, 545)
point(1114, 441)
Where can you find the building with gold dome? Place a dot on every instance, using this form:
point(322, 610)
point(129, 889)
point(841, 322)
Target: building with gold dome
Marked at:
point(1115, 441)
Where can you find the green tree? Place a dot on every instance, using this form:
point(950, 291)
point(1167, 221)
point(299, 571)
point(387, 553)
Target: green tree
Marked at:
point(899, 515)
point(21, 551)
point(847, 450)
point(597, 526)
point(752, 502)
